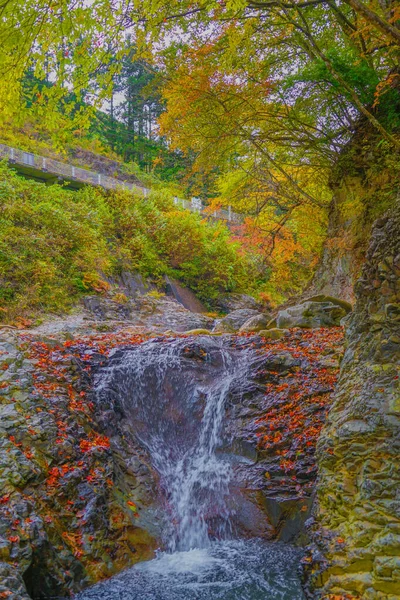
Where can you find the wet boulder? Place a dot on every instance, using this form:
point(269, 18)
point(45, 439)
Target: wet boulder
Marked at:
point(310, 315)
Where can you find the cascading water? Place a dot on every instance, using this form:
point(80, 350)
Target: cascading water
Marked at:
point(198, 479)
point(178, 414)
point(175, 394)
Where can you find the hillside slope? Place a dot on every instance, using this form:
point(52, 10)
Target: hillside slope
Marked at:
point(57, 245)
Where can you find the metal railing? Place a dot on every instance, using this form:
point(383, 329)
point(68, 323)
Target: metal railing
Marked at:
point(72, 173)
point(64, 170)
point(196, 205)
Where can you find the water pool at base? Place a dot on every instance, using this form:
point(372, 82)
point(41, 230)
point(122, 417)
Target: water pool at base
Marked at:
point(227, 570)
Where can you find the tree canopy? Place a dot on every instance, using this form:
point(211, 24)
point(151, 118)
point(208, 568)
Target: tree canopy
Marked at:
point(261, 95)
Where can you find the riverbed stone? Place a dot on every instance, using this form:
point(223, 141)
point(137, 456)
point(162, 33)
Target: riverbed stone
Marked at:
point(256, 323)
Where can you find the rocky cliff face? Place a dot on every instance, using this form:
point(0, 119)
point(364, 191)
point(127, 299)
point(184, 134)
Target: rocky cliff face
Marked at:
point(364, 183)
point(358, 509)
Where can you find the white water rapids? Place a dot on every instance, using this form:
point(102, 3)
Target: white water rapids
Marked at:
point(176, 393)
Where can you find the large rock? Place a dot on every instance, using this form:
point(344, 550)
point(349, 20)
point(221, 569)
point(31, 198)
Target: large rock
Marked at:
point(310, 315)
point(282, 412)
point(256, 323)
point(184, 296)
point(357, 520)
point(338, 301)
point(234, 320)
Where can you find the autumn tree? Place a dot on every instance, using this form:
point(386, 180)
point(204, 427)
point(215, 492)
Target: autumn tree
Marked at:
point(270, 93)
point(65, 43)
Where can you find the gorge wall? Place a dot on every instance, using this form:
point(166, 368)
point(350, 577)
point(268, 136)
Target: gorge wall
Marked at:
point(365, 182)
point(358, 509)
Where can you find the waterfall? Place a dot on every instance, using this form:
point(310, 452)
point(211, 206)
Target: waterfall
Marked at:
point(176, 396)
point(175, 392)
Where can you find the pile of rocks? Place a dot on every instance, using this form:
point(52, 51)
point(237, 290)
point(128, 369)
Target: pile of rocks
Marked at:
point(315, 312)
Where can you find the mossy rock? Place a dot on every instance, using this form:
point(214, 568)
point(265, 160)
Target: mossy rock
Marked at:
point(201, 332)
point(273, 334)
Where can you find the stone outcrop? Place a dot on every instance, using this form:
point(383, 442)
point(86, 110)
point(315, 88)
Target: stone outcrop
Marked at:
point(357, 528)
point(276, 425)
point(153, 312)
point(256, 323)
point(364, 183)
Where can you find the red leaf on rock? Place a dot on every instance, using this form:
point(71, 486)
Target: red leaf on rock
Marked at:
point(13, 539)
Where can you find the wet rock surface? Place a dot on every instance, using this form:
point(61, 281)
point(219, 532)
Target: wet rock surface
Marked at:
point(357, 528)
point(272, 420)
point(281, 418)
point(70, 495)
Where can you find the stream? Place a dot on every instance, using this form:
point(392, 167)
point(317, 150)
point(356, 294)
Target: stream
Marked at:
point(176, 393)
